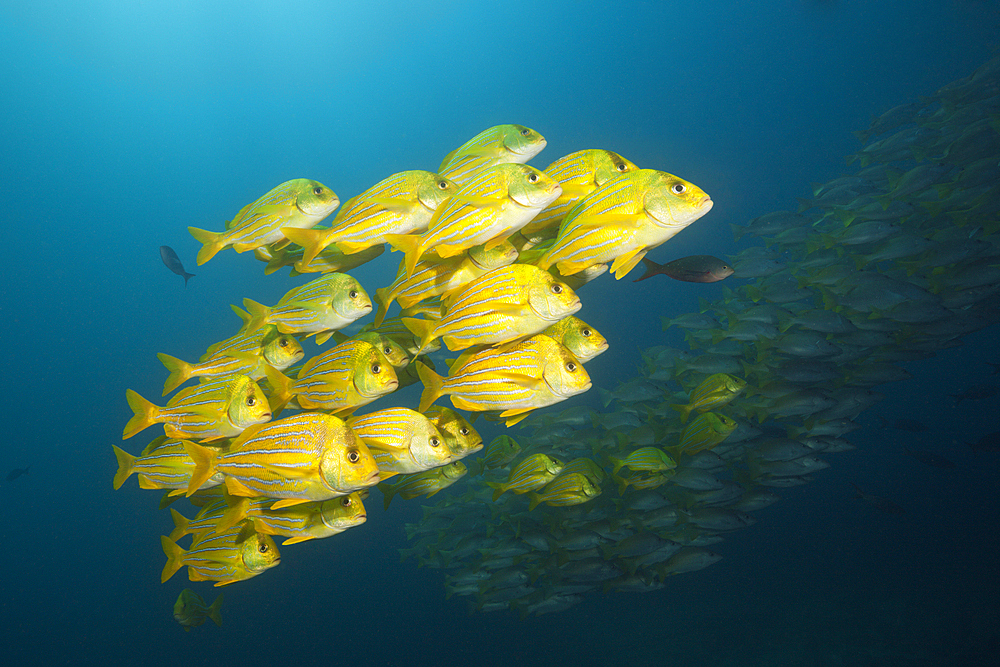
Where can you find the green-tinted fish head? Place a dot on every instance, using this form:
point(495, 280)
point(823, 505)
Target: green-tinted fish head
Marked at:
point(433, 189)
point(347, 464)
point(343, 512)
point(349, 298)
point(315, 199)
point(454, 470)
point(551, 464)
point(373, 375)
point(259, 553)
point(735, 385)
point(504, 447)
point(673, 202)
point(530, 187)
point(500, 255)
point(522, 142)
point(564, 374)
point(281, 350)
point(551, 299)
point(390, 349)
point(608, 164)
point(584, 341)
point(458, 433)
point(429, 447)
point(248, 405)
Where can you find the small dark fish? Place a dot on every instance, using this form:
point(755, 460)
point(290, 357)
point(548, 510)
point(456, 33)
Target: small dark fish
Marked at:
point(878, 502)
point(173, 263)
point(988, 443)
point(17, 472)
point(929, 458)
point(976, 392)
point(693, 269)
point(911, 425)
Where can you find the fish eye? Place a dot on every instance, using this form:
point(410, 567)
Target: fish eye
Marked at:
point(353, 456)
point(621, 166)
point(464, 430)
point(283, 342)
point(263, 548)
point(387, 349)
point(557, 289)
point(678, 188)
point(585, 332)
point(571, 367)
point(525, 132)
point(345, 501)
point(317, 190)
point(443, 185)
point(532, 178)
point(434, 442)
point(376, 369)
point(353, 294)
point(251, 401)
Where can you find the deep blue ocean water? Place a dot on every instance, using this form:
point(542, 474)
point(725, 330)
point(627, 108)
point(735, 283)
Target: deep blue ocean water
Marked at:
point(126, 123)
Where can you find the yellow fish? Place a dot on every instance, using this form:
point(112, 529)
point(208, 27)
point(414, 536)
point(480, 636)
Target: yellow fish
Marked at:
point(345, 377)
point(622, 220)
point(310, 456)
point(496, 145)
point(505, 304)
point(425, 483)
point(434, 276)
point(579, 174)
point(714, 391)
point(400, 204)
point(319, 307)
point(462, 439)
point(512, 379)
point(163, 464)
point(297, 203)
point(583, 340)
point(401, 440)
point(261, 348)
point(330, 260)
point(219, 408)
point(224, 557)
point(489, 208)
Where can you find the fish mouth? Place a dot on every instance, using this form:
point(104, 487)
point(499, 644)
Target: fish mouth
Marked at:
point(266, 416)
point(705, 203)
point(373, 479)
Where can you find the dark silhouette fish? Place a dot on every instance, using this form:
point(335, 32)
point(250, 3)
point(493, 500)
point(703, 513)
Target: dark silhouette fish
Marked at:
point(929, 458)
point(17, 472)
point(693, 269)
point(976, 392)
point(911, 425)
point(173, 263)
point(988, 443)
point(878, 502)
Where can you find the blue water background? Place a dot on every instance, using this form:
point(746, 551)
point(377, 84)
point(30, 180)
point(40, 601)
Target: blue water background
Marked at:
point(124, 123)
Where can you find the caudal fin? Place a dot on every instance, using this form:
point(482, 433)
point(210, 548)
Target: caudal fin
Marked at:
point(409, 244)
point(311, 240)
point(145, 414)
point(180, 372)
point(175, 558)
point(433, 386)
point(213, 611)
point(211, 243)
point(126, 465)
point(258, 315)
point(652, 268)
point(204, 465)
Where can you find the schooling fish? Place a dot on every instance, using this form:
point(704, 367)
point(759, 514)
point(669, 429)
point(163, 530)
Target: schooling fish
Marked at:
point(299, 202)
point(191, 611)
point(496, 145)
point(583, 340)
point(693, 269)
point(17, 472)
point(173, 263)
point(426, 483)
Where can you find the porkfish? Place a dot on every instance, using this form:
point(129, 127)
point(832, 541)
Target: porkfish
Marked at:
point(400, 204)
point(619, 222)
point(503, 305)
point(488, 209)
point(310, 456)
point(496, 145)
point(512, 379)
point(401, 440)
point(219, 408)
point(299, 202)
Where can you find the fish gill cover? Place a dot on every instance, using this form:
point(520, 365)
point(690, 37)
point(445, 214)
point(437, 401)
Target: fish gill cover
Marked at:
point(889, 264)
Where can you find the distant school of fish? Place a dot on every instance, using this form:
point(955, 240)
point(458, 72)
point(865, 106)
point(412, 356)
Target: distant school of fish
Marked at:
point(889, 265)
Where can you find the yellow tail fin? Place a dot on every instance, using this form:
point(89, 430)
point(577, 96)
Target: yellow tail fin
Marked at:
point(211, 243)
point(180, 372)
point(175, 558)
point(126, 463)
point(145, 414)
